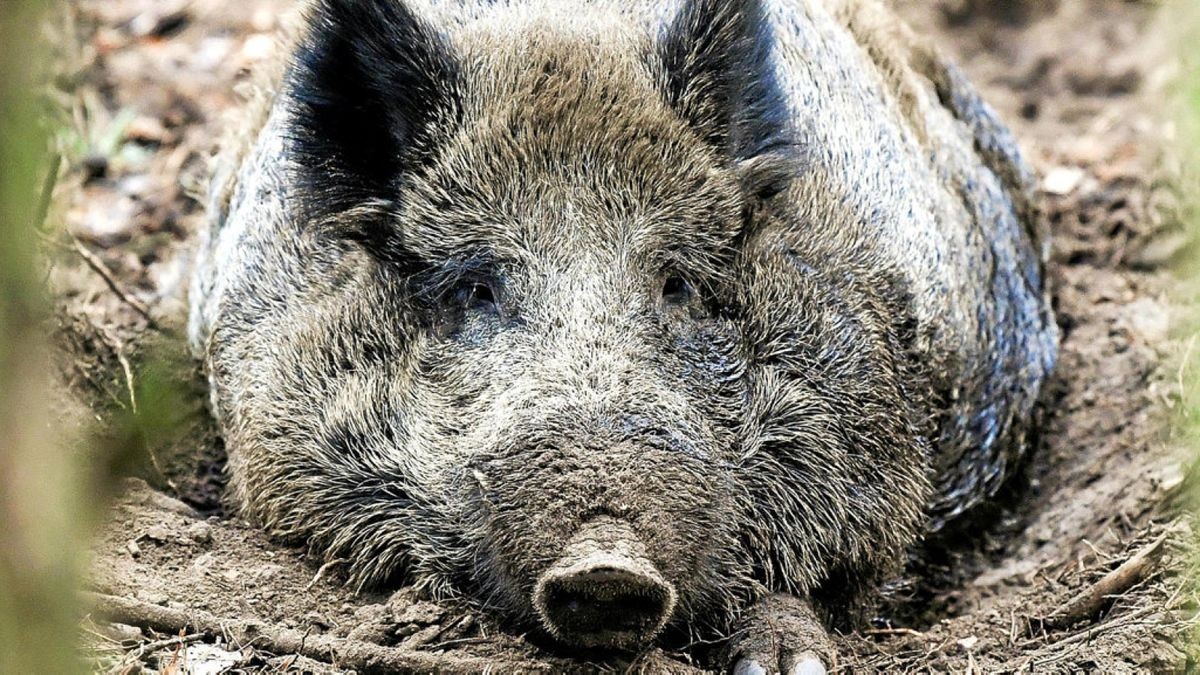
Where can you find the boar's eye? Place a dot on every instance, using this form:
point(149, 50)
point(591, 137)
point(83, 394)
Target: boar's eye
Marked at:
point(678, 294)
point(677, 291)
point(476, 296)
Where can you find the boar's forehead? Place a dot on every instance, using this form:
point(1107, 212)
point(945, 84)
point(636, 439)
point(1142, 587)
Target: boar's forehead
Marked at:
point(568, 142)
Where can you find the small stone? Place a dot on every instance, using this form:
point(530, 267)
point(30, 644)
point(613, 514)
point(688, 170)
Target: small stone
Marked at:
point(264, 19)
point(808, 664)
point(211, 53)
point(968, 643)
point(316, 620)
point(108, 216)
point(136, 185)
point(406, 630)
point(157, 533)
point(1173, 476)
point(749, 667)
point(257, 48)
point(1148, 320)
point(201, 533)
point(1062, 180)
point(133, 549)
point(421, 637)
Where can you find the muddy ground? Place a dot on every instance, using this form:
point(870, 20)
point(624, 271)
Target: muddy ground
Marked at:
point(145, 84)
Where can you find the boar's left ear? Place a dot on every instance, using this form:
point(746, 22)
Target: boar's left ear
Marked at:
point(717, 74)
point(371, 86)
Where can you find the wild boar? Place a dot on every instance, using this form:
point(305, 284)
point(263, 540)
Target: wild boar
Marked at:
point(619, 318)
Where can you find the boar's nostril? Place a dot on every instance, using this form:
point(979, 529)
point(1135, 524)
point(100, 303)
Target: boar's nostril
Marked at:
point(604, 595)
point(605, 607)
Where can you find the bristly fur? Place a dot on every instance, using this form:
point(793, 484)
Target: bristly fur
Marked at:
point(735, 274)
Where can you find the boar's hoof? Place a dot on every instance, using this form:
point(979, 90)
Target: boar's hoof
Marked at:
point(805, 664)
point(782, 635)
point(604, 592)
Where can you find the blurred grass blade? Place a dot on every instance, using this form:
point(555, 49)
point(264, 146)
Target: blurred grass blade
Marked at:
point(42, 505)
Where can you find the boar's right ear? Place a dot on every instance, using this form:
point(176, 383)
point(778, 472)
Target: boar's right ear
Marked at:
point(369, 86)
point(717, 72)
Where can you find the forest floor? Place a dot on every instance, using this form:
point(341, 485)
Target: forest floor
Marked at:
point(1080, 81)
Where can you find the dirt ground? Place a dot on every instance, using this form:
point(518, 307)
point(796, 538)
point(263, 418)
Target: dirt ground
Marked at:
point(1081, 82)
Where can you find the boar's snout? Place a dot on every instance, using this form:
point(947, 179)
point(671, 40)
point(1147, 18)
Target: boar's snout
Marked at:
point(604, 592)
point(604, 601)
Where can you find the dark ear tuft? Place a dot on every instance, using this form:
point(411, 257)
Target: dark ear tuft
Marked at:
point(715, 57)
point(370, 86)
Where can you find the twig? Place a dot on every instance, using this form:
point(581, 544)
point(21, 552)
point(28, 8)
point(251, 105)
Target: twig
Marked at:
point(321, 572)
point(151, 647)
point(115, 344)
point(100, 268)
point(1091, 601)
point(1087, 635)
point(112, 642)
point(895, 631)
point(292, 661)
point(460, 641)
point(361, 656)
point(138, 653)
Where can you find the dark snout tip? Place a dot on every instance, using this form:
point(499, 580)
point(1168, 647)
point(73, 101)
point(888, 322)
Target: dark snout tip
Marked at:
point(604, 600)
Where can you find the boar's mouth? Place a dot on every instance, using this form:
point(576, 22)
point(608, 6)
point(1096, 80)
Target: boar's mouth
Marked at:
point(604, 592)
